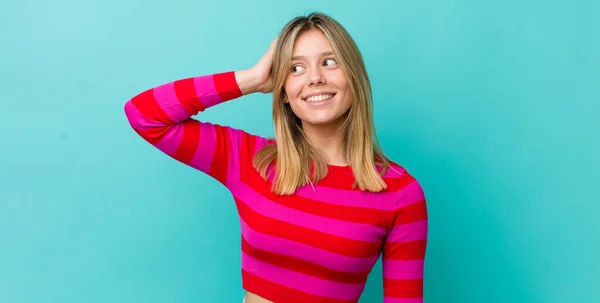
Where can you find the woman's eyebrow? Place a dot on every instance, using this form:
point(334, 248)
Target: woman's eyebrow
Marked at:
point(328, 53)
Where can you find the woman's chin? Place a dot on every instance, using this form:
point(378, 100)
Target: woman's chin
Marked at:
point(321, 122)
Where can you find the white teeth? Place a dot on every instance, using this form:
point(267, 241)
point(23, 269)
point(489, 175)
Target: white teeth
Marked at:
point(319, 98)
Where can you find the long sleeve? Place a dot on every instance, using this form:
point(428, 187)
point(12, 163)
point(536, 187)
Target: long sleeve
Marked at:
point(405, 245)
point(162, 116)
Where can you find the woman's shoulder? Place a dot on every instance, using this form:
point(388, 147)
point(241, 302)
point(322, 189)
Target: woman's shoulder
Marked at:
point(406, 184)
point(401, 175)
point(394, 170)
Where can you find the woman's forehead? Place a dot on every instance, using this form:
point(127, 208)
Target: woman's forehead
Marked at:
point(311, 44)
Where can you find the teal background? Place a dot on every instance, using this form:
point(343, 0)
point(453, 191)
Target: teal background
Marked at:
point(493, 106)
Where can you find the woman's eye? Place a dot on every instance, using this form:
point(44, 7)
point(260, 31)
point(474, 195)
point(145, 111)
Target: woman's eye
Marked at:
point(330, 60)
point(295, 67)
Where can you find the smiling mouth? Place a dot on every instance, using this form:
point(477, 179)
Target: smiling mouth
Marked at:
point(319, 98)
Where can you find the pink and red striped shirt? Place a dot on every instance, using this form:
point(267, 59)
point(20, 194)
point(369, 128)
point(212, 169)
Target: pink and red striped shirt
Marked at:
point(318, 245)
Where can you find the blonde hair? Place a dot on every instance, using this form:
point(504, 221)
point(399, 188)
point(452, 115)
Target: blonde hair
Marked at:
point(292, 154)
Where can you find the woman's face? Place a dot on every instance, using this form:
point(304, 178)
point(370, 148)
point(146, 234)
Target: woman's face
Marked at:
point(316, 85)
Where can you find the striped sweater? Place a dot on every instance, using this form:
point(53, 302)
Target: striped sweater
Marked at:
point(318, 245)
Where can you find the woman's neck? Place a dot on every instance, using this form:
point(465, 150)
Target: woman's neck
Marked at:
point(328, 140)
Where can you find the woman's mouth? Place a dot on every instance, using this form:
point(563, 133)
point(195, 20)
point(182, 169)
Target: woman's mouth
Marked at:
point(319, 99)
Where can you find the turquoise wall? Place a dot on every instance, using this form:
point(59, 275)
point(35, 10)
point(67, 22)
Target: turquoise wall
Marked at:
point(492, 106)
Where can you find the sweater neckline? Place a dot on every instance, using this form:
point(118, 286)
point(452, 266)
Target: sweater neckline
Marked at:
point(339, 168)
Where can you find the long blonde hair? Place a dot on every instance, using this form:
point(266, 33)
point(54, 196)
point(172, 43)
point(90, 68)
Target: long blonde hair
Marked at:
point(292, 154)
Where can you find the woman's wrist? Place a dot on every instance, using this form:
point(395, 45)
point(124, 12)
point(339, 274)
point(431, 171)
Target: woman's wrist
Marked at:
point(247, 81)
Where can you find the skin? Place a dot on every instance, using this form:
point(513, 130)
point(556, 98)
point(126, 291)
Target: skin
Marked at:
point(314, 69)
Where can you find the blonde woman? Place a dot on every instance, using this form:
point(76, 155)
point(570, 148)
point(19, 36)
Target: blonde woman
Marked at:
point(319, 203)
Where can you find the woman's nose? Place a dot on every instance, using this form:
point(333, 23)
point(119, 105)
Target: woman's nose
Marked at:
point(316, 77)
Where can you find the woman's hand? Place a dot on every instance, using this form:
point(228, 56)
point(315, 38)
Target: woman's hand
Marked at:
point(262, 69)
point(258, 78)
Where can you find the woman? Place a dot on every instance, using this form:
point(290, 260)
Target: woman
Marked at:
point(318, 203)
